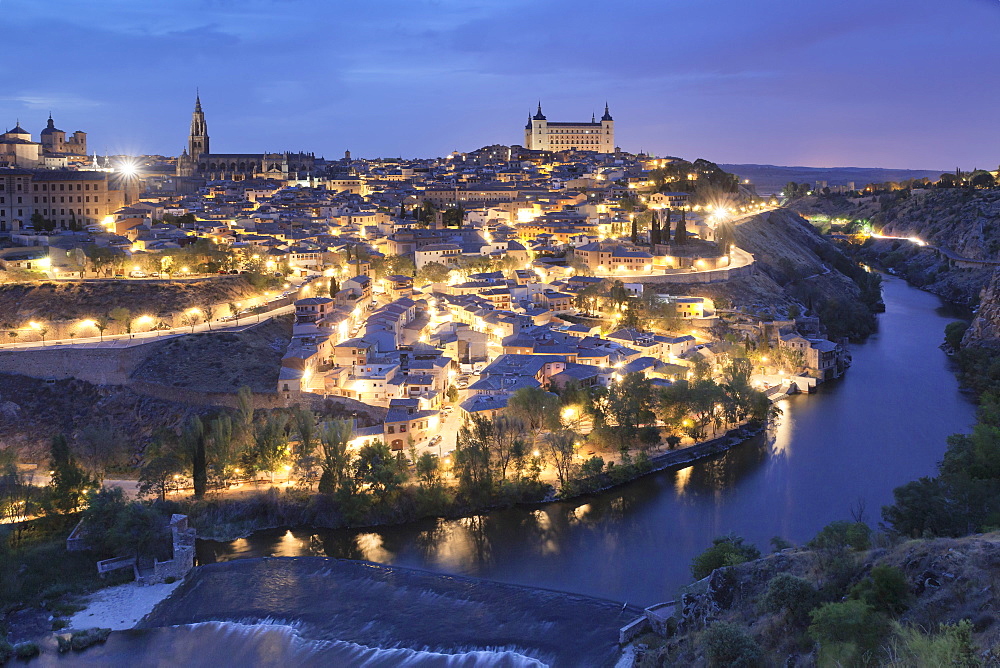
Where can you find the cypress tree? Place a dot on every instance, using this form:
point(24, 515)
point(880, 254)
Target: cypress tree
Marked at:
point(654, 230)
point(665, 229)
point(635, 231)
point(680, 234)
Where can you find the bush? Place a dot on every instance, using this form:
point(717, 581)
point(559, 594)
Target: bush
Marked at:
point(842, 534)
point(725, 551)
point(790, 594)
point(59, 624)
point(950, 646)
point(885, 590)
point(6, 651)
point(730, 645)
point(954, 332)
point(850, 622)
point(81, 640)
point(26, 650)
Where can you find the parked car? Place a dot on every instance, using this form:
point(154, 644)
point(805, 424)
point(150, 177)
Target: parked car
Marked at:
point(135, 273)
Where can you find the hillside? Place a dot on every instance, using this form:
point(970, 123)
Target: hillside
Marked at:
point(75, 300)
point(221, 362)
point(797, 269)
point(943, 581)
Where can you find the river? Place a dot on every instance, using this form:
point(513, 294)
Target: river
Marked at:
point(885, 423)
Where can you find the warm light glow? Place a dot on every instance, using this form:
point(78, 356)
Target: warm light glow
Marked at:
point(144, 320)
point(88, 323)
point(44, 263)
point(568, 413)
point(536, 453)
point(34, 325)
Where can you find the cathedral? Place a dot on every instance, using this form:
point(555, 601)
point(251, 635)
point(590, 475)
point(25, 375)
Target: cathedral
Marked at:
point(540, 134)
point(198, 161)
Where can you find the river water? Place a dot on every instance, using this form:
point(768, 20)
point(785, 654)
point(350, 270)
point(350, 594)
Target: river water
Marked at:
point(884, 424)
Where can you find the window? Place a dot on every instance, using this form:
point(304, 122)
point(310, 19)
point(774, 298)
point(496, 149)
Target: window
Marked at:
point(402, 429)
point(391, 429)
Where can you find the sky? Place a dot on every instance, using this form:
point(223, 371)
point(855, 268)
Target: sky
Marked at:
point(873, 83)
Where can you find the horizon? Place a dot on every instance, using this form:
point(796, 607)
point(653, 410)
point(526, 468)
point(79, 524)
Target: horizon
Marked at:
point(790, 85)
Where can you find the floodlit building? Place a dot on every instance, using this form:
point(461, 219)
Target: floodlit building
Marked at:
point(540, 134)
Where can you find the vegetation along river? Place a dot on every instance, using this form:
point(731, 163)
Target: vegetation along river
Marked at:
point(883, 424)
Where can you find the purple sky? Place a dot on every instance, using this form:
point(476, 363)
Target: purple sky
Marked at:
point(875, 83)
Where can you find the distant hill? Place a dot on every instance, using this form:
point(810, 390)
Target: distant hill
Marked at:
point(770, 179)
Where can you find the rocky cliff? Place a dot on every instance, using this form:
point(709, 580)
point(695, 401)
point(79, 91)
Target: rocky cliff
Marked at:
point(985, 327)
point(961, 220)
point(943, 581)
point(797, 269)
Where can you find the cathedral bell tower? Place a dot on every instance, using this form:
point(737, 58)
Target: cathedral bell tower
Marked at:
point(198, 139)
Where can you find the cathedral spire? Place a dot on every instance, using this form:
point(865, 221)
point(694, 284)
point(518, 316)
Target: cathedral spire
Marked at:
point(198, 138)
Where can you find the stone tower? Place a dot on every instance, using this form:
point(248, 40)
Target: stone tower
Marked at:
point(198, 139)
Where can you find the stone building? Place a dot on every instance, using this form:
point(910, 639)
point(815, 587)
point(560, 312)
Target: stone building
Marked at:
point(18, 150)
point(540, 134)
point(54, 141)
point(198, 161)
point(72, 199)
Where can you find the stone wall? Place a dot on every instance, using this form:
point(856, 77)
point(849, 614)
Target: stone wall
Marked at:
point(101, 366)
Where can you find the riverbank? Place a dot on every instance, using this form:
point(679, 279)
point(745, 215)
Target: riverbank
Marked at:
point(232, 519)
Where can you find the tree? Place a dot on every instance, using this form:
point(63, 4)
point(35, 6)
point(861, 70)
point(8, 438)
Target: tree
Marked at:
point(234, 311)
point(680, 234)
point(536, 408)
point(156, 476)
point(335, 459)
point(123, 317)
point(433, 272)
point(376, 467)
point(270, 443)
point(453, 217)
point(101, 446)
point(561, 448)
point(305, 428)
point(190, 319)
point(102, 322)
point(137, 530)
point(207, 309)
point(725, 551)
point(472, 461)
point(70, 483)
point(427, 469)
point(665, 227)
point(635, 230)
point(731, 646)
point(193, 447)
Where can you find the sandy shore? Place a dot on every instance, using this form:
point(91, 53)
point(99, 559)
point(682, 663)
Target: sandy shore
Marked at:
point(120, 607)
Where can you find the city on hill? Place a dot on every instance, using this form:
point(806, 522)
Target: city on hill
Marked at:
point(215, 343)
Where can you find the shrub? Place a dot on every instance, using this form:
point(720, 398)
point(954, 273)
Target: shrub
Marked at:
point(779, 543)
point(730, 645)
point(59, 624)
point(954, 332)
point(885, 590)
point(847, 622)
point(950, 646)
point(788, 593)
point(6, 651)
point(725, 551)
point(26, 650)
point(81, 640)
point(842, 534)
point(170, 579)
